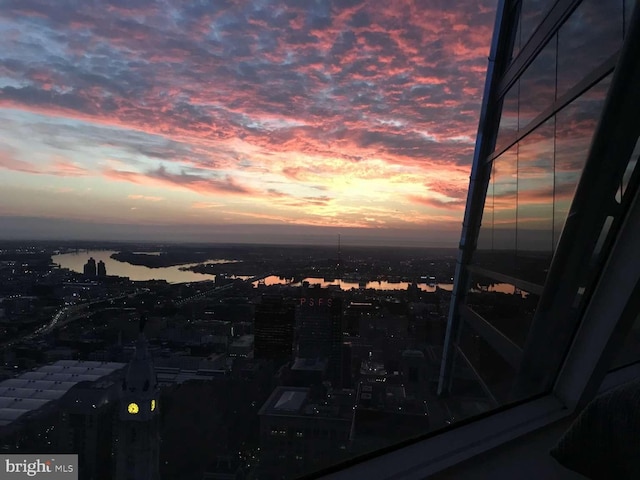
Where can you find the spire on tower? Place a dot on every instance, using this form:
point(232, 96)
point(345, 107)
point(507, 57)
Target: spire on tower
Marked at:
point(339, 258)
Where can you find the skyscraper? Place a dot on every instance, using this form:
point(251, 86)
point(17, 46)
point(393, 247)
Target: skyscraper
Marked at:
point(102, 269)
point(137, 452)
point(90, 269)
point(273, 328)
point(319, 328)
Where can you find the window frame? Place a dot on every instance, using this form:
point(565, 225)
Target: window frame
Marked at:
point(616, 295)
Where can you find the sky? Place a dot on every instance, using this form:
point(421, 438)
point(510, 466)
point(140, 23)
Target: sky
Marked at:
point(240, 121)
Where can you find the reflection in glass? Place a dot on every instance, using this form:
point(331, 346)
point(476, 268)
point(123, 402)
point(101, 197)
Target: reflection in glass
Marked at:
point(505, 192)
point(538, 85)
point(575, 125)
point(478, 364)
point(589, 37)
point(485, 235)
point(517, 40)
point(506, 307)
point(535, 201)
point(628, 11)
point(532, 13)
point(509, 118)
point(631, 166)
point(630, 351)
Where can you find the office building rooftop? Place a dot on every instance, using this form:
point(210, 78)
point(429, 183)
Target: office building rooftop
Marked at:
point(32, 390)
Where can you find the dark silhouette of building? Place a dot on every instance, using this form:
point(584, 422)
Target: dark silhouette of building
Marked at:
point(352, 314)
point(102, 269)
point(320, 329)
point(63, 408)
point(346, 365)
point(86, 426)
point(137, 452)
point(90, 269)
point(273, 328)
point(384, 407)
point(302, 430)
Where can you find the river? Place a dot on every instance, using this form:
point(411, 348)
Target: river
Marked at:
point(345, 285)
point(75, 261)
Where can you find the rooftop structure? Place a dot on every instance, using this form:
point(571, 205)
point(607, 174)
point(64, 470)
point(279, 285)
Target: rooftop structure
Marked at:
point(301, 429)
point(32, 390)
point(303, 401)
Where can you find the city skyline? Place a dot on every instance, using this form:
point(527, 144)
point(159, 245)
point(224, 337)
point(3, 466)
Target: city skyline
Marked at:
point(240, 121)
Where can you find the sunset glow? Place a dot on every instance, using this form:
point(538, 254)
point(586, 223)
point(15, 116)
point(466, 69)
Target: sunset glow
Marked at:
point(221, 120)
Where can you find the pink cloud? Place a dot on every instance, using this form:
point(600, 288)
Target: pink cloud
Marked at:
point(9, 162)
point(146, 198)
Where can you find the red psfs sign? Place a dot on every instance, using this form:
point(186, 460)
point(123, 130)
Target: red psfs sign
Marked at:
point(315, 302)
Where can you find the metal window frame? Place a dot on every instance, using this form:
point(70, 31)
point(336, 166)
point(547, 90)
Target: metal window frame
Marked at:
point(603, 325)
point(502, 277)
point(583, 375)
point(598, 339)
point(596, 75)
point(594, 200)
point(448, 448)
point(503, 345)
point(478, 182)
point(548, 27)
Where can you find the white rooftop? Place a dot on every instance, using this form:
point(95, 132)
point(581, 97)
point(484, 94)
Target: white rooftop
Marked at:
point(33, 389)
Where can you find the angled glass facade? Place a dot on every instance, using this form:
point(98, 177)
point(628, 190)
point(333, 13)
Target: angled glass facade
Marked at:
point(512, 316)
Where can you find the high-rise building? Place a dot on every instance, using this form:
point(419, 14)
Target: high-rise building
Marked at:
point(86, 426)
point(553, 182)
point(300, 431)
point(386, 407)
point(319, 328)
point(137, 449)
point(90, 269)
point(101, 269)
point(273, 328)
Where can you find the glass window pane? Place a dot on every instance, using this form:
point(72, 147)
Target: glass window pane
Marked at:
point(630, 352)
point(485, 236)
point(628, 11)
point(538, 85)
point(631, 166)
point(575, 125)
point(535, 201)
point(509, 119)
point(505, 306)
point(532, 13)
point(487, 364)
point(505, 192)
point(517, 40)
point(591, 35)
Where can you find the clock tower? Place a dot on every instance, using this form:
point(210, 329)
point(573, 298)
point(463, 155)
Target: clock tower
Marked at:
point(137, 451)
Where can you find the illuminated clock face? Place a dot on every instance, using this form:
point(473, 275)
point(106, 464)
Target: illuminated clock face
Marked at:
point(153, 405)
point(133, 408)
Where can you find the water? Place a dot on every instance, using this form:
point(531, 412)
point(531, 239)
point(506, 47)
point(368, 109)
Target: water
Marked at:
point(344, 285)
point(75, 261)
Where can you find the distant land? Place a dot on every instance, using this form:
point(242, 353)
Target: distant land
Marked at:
point(164, 259)
point(289, 260)
point(27, 229)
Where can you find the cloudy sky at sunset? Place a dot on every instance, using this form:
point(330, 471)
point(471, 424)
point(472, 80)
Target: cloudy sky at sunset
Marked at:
point(239, 120)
